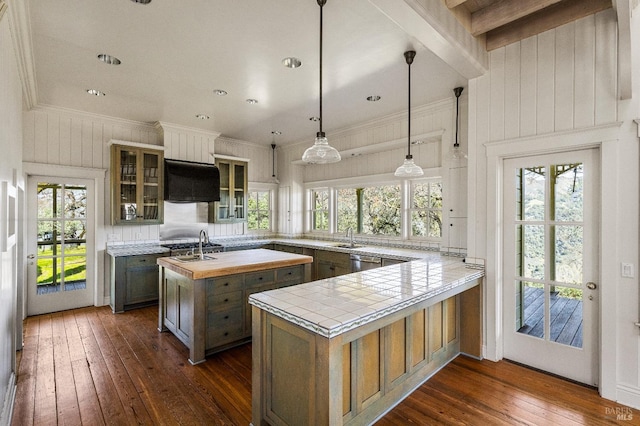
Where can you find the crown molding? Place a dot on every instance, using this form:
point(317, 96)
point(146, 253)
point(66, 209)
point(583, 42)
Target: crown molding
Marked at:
point(93, 117)
point(23, 48)
point(163, 126)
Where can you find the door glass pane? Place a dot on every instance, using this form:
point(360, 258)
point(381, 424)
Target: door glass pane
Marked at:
point(569, 192)
point(531, 197)
point(568, 251)
point(530, 308)
point(75, 202)
point(530, 251)
point(566, 316)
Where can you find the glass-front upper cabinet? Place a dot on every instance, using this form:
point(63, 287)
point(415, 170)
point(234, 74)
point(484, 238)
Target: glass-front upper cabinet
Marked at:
point(137, 190)
point(232, 206)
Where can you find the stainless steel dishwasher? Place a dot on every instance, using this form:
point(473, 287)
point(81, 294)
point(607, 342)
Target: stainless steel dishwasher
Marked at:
point(360, 262)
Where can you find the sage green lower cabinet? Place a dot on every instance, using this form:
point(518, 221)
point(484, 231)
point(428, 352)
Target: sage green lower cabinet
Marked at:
point(134, 281)
point(329, 264)
point(212, 314)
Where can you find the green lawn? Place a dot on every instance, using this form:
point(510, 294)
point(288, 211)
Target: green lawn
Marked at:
point(75, 267)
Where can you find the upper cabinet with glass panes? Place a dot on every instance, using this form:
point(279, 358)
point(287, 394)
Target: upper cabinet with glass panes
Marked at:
point(137, 192)
point(232, 206)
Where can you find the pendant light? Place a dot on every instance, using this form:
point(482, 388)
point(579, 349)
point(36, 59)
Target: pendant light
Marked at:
point(456, 152)
point(409, 168)
point(321, 152)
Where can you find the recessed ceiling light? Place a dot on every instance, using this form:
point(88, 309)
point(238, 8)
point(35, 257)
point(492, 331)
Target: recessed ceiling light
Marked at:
point(202, 116)
point(373, 98)
point(292, 62)
point(108, 59)
point(314, 118)
point(252, 101)
point(417, 142)
point(142, 1)
point(220, 92)
point(276, 132)
point(95, 92)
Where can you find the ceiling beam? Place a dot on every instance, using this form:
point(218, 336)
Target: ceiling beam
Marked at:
point(503, 12)
point(434, 26)
point(453, 3)
point(536, 23)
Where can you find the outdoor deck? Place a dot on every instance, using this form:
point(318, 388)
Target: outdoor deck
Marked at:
point(566, 317)
point(54, 288)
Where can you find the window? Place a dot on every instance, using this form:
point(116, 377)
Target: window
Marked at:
point(347, 206)
point(426, 209)
point(374, 210)
point(320, 210)
point(259, 210)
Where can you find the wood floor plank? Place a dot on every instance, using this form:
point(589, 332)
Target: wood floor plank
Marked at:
point(110, 404)
point(66, 397)
point(133, 406)
point(45, 390)
point(126, 372)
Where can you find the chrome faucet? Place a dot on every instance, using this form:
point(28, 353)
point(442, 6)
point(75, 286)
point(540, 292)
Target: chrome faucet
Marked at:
point(350, 236)
point(202, 237)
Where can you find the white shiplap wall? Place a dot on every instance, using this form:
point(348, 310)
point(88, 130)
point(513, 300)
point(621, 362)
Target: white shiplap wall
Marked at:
point(563, 81)
point(11, 261)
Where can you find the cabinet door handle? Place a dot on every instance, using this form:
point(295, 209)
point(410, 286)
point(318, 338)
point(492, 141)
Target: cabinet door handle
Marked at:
point(226, 317)
point(226, 300)
point(226, 284)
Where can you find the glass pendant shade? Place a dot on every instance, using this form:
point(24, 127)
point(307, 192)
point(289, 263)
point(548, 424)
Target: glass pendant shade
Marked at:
point(457, 153)
point(409, 168)
point(321, 152)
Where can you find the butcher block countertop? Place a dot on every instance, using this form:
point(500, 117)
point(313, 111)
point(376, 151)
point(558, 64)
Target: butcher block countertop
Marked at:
point(233, 262)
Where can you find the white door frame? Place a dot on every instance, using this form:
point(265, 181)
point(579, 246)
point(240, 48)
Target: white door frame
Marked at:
point(98, 177)
point(603, 137)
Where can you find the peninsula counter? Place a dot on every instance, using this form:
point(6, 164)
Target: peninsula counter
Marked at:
point(344, 350)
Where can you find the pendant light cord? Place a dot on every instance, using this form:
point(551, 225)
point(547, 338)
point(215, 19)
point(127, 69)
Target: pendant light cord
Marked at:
point(408, 56)
point(457, 91)
point(321, 3)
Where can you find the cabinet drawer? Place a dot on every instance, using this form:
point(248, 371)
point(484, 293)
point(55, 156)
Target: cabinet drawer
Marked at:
point(223, 327)
point(225, 301)
point(142, 260)
point(333, 257)
point(226, 284)
point(292, 273)
point(259, 278)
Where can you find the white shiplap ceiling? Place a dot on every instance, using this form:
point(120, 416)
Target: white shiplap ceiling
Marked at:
point(175, 53)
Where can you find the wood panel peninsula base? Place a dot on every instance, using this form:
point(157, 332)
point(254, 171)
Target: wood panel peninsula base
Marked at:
point(204, 303)
point(352, 374)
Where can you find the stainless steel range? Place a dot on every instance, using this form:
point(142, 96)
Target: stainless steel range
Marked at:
point(189, 248)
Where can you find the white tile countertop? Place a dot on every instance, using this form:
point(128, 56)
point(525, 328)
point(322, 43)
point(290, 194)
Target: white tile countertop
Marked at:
point(333, 306)
point(136, 249)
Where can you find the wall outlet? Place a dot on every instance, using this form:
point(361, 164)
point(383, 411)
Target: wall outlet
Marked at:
point(138, 236)
point(627, 270)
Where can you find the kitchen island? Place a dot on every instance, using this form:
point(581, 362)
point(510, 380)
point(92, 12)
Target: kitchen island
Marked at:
point(345, 350)
point(204, 302)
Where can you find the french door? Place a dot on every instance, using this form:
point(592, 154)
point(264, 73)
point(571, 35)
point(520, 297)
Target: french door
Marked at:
point(551, 268)
point(60, 244)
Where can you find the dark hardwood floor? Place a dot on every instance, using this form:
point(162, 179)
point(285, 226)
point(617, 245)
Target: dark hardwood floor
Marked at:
point(89, 366)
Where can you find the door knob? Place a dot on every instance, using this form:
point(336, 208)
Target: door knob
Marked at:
point(591, 286)
point(31, 256)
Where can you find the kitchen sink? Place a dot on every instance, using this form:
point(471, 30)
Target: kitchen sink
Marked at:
point(348, 246)
point(192, 258)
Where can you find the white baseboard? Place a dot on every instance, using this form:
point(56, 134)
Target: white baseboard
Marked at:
point(628, 395)
point(7, 406)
